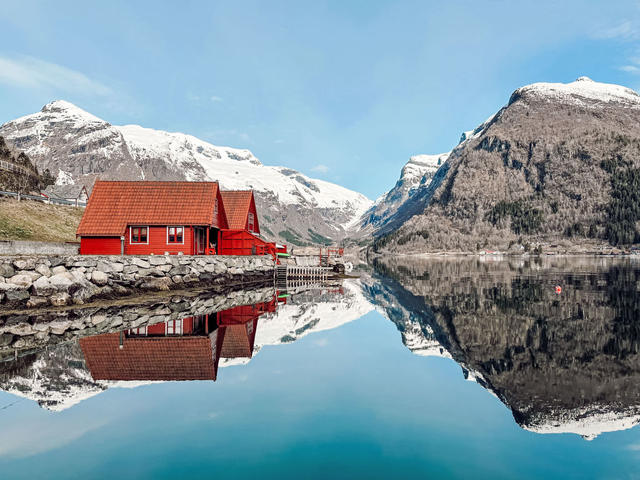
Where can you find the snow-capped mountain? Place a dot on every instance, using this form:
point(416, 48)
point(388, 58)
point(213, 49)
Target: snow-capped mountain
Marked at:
point(416, 173)
point(79, 147)
point(583, 92)
point(549, 138)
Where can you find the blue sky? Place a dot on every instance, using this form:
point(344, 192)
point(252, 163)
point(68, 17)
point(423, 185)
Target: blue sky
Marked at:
point(345, 91)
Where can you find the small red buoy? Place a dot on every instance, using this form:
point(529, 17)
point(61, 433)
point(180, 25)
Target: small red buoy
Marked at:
point(558, 289)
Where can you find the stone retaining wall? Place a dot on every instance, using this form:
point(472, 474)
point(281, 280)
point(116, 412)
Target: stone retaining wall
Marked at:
point(38, 281)
point(28, 247)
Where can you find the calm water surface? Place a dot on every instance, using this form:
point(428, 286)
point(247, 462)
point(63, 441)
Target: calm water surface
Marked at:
point(443, 368)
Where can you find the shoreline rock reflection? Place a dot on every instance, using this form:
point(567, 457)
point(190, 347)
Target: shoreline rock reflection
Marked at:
point(61, 374)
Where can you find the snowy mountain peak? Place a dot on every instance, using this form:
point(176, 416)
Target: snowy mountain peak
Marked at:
point(67, 109)
point(79, 148)
point(582, 91)
point(419, 165)
point(150, 142)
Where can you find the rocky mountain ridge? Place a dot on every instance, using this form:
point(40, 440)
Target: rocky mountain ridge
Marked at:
point(560, 163)
point(77, 146)
point(416, 174)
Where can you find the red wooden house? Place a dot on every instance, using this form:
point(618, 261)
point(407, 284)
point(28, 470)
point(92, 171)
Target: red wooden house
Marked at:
point(191, 218)
point(141, 218)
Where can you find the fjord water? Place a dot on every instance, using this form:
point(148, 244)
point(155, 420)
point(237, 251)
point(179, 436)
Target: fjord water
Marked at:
point(467, 368)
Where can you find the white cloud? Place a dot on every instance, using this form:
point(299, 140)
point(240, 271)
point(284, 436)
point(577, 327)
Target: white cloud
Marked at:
point(321, 168)
point(624, 31)
point(215, 99)
point(33, 73)
point(630, 69)
point(635, 447)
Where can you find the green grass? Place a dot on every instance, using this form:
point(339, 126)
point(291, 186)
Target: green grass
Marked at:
point(29, 220)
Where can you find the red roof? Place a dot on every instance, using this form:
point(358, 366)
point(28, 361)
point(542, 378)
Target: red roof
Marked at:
point(114, 205)
point(236, 206)
point(150, 358)
point(236, 341)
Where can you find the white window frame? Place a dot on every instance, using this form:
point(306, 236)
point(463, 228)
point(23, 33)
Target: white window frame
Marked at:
point(183, 234)
point(215, 207)
point(251, 220)
point(176, 327)
point(131, 227)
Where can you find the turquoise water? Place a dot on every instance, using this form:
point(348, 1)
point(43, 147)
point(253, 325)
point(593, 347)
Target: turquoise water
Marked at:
point(347, 402)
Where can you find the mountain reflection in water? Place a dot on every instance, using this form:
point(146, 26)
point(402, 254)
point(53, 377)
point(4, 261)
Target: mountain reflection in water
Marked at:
point(61, 375)
point(563, 361)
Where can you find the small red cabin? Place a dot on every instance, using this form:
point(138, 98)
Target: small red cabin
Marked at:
point(142, 218)
point(190, 218)
point(240, 208)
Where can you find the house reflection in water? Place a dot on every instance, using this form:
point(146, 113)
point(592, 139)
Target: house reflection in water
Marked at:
point(187, 349)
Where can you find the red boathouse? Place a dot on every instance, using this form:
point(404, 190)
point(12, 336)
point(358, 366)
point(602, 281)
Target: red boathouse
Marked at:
point(190, 218)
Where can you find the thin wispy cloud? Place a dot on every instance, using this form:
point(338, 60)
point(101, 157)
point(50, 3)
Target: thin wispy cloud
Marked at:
point(33, 73)
point(630, 69)
point(628, 33)
point(321, 168)
point(216, 99)
point(627, 30)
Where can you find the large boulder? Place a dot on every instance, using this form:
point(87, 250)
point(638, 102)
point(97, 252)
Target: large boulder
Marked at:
point(43, 270)
point(22, 280)
point(99, 277)
point(13, 292)
point(42, 287)
point(27, 263)
point(60, 282)
point(6, 270)
point(158, 260)
point(58, 269)
point(139, 262)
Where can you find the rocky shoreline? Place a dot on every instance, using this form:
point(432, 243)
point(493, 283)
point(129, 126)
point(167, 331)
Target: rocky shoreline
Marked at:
point(32, 281)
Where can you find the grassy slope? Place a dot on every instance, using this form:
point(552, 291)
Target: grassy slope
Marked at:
point(28, 220)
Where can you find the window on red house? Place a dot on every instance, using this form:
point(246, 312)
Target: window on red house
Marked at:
point(175, 234)
point(174, 327)
point(251, 221)
point(139, 234)
point(215, 207)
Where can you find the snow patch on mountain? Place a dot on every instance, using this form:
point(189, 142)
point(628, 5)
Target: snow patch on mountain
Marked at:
point(64, 178)
point(583, 91)
point(589, 424)
point(416, 173)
